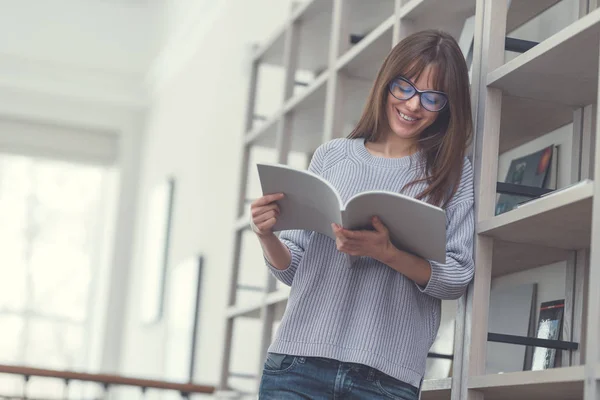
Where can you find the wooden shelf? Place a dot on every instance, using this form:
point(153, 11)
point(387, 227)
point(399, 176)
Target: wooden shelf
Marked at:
point(314, 21)
point(425, 9)
point(364, 59)
point(436, 389)
point(242, 223)
point(510, 257)
point(562, 69)
point(551, 384)
point(521, 11)
point(253, 309)
point(267, 128)
point(301, 97)
point(525, 119)
point(561, 220)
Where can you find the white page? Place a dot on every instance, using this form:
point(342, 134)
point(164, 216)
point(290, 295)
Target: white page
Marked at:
point(310, 202)
point(415, 226)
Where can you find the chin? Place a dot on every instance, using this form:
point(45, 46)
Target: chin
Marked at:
point(406, 133)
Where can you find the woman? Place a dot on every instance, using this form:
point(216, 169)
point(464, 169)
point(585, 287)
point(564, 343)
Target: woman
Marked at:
point(365, 331)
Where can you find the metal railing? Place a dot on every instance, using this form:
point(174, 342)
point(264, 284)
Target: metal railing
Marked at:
point(105, 382)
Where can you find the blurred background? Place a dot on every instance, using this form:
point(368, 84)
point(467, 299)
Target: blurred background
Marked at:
point(122, 160)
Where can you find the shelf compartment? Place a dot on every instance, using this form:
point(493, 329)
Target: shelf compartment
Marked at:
point(307, 113)
point(364, 59)
point(525, 119)
point(447, 15)
point(363, 17)
point(562, 69)
point(311, 101)
point(561, 220)
point(436, 389)
point(315, 22)
point(522, 11)
point(551, 384)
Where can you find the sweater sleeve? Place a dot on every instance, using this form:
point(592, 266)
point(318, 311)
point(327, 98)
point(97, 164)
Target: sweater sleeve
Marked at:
point(297, 240)
point(450, 279)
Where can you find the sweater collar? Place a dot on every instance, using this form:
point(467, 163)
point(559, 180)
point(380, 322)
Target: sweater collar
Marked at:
point(362, 153)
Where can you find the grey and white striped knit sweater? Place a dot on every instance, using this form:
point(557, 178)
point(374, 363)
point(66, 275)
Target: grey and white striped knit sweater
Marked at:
point(370, 314)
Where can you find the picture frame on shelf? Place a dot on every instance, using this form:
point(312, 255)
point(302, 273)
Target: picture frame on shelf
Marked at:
point(550, 323)
point(182, 319)
point(531, 170)
point(155, 249)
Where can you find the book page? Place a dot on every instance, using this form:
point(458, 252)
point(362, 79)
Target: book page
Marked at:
point(415, 226)
point(310, 202)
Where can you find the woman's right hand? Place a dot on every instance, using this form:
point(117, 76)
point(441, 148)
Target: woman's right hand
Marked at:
point(264, 212)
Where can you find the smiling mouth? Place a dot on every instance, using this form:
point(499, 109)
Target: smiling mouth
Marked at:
point(406, 117)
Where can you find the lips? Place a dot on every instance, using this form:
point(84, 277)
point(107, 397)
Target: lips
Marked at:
point(406, 117)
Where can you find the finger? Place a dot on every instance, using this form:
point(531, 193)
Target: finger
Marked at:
point(265, 216)
point(378, 225)
point(256, 211)
point(266, 225)
point(355, 235)
point(266, 199)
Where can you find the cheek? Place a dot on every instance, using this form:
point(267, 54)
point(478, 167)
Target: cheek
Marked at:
point(429, 119)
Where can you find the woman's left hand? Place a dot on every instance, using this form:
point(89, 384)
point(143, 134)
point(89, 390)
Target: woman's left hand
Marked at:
point(370, 243)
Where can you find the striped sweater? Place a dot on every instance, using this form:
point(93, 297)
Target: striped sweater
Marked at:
point(370, 314)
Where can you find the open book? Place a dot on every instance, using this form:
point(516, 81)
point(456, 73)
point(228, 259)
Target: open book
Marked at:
point(312, 203)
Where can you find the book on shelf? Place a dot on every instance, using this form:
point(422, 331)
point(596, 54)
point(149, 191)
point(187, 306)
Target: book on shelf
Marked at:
point(549, 327)
point(530, 170)
point(312, 203)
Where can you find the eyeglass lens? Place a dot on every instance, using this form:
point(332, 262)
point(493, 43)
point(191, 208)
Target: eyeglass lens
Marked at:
point(432, 101)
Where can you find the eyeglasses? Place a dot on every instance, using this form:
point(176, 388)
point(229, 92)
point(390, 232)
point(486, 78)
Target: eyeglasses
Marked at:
point(431, 100)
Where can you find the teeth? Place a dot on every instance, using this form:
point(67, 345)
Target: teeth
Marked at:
point(406, 117)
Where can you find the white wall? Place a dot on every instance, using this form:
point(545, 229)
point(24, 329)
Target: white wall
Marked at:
point(94, 50)
point(81, 33)
point(194, 133)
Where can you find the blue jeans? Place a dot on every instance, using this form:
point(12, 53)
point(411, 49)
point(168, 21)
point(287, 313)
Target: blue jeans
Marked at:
point(288, 377)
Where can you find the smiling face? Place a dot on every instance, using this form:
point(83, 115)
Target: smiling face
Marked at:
point(407, 119)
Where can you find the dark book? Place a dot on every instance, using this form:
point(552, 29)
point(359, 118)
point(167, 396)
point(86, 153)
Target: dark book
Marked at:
point(549, 327)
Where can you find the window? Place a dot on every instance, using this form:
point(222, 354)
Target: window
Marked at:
point(53, 219)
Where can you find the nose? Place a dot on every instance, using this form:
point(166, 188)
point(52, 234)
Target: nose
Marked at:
point(413, 104)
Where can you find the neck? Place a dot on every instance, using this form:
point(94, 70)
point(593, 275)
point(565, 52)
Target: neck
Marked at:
point(392, 146)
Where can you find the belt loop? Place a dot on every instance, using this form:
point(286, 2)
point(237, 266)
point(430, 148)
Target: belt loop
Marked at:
point(301, 360)
point(371, 376)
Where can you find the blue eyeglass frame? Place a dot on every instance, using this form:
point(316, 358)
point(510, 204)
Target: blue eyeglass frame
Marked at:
point(420, 92)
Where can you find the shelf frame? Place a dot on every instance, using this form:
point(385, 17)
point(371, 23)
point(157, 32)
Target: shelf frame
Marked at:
point(468, 381)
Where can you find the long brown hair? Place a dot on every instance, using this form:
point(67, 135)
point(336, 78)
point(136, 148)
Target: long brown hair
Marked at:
point(444, 142)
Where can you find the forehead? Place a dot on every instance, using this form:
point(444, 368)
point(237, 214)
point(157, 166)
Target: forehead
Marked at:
point(425, 78)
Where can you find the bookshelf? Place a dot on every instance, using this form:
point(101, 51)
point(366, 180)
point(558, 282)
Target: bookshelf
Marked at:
point(328, 52)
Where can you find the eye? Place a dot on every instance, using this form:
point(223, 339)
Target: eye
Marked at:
point(433, 99)
point(403, 86)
